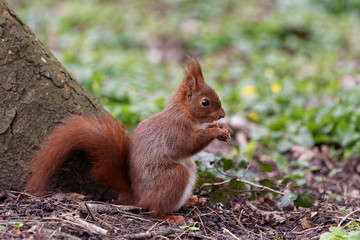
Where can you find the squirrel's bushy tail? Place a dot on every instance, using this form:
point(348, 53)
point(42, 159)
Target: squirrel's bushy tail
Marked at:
point(105, 141)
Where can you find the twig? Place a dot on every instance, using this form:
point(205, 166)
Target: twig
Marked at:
point(91, 214)
point(146, 235)
point(135, 216)
point(87, 225)
point(247, 169)
point(344, 218)
point(328, 163)
point(215, 184)
point(261, 186)
point(195, 235)
point(231, 234)
point(268, 215)
point(223, 173)
point(239, 222)
point(323, 182)
point(105, 207)
point(201, 222)
point(26, 194)
point(152, 227)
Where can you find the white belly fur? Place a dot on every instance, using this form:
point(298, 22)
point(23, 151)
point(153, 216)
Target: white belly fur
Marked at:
point(188, 164)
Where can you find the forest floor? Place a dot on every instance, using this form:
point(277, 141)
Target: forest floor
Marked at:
point(72, 216)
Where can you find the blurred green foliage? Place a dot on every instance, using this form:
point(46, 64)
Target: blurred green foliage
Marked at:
point(290, 66)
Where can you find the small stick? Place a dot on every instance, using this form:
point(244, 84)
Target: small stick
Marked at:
point(323, 182)
point(261, 186)
point(91, 214)
point(344, 218)
point(146, 235)
point(105, 207)
point(90, 226)
point(231, 234)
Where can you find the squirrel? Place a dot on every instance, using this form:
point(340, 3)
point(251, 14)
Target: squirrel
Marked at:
point(153, 169)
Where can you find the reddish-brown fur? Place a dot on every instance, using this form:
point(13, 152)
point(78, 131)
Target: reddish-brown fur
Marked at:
point(105, 140)
point(153, 170)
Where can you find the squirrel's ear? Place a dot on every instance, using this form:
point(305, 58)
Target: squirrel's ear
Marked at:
point(193, 73)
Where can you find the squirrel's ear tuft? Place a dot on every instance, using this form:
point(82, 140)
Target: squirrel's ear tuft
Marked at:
point(193, 73)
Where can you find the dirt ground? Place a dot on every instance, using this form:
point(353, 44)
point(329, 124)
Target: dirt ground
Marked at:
point(72, 216)
point(335, 188)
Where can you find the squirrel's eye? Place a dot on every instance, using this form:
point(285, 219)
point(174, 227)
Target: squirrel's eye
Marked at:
point(205, 102)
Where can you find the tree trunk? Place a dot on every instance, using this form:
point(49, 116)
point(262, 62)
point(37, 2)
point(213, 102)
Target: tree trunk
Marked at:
point(36, 93)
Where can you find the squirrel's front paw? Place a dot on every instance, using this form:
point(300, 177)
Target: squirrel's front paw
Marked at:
point(225, 131)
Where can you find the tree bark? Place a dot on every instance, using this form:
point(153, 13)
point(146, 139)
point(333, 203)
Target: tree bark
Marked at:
point(36, 93)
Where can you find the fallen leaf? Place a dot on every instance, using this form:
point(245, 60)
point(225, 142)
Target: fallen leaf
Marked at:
point(305, 223)
point(76, 195)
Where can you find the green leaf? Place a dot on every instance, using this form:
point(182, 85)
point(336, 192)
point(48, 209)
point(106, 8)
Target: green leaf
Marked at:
point(267, 183)
point(284, 182)
point(283, 146)
point(304, 200)
point(328, 236)
point(235, 186)
point(243, 163)
point(265, 167)
point(219, 195)
point(303, 137)
point(227, 163)
point(281, 162)
point(355, 235)
point(189, 228)
point(249, 149)
point(287, 199)
point(338, 231)
point(18, 224)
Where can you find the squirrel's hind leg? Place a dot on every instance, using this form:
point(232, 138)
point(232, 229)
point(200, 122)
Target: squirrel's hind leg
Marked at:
point(167, 192)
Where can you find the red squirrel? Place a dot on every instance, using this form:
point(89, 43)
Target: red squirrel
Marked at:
point(153, 169)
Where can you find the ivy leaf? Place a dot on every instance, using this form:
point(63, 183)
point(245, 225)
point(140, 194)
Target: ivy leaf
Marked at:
point(227, 163)
point(243, 163)
point(265, 167)
point(355, 235)
point(267, 183)
point(235, 186)
point(219, 195)
point(284, 182)
point(304, 200)
point(327, 236)
point(205, 177)
point(287, 199)
point(338, 231)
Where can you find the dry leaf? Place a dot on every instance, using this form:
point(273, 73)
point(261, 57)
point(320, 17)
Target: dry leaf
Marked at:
point(76, 195)
point(305, 223)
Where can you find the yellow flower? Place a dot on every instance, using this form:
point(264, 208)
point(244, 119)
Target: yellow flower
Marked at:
point(95, 86)
point(253, 115)
point(269, 73)
point(248, 90)
point(275, 87)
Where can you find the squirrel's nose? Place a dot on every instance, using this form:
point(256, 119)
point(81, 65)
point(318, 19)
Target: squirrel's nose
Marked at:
point(222, 114)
